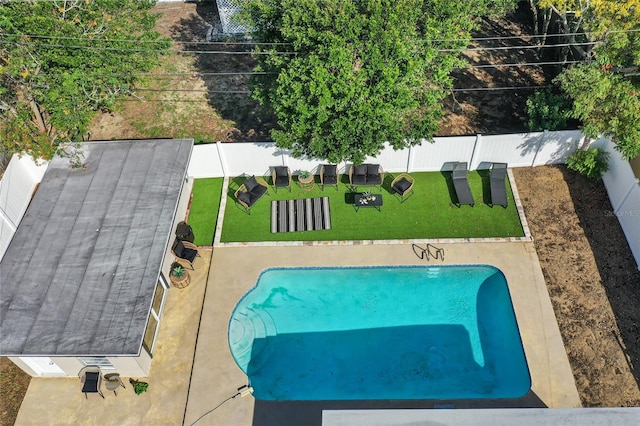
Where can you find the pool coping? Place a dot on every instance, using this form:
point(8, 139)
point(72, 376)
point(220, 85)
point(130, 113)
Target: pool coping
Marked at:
point(516, 197)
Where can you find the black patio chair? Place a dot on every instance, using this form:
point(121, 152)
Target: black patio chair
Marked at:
point(281, 177)
point(184, 232)
point(250, 192)
point(185, 251)
point(91, 379)
point(461, 184)
point(328, 176)
point(498, 184)
point(402, 186)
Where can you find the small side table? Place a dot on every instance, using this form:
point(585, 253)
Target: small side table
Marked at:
point(308, 183)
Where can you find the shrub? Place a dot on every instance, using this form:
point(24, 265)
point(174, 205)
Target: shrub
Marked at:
point(139, 387)
point(592, 162)
point(547, 111)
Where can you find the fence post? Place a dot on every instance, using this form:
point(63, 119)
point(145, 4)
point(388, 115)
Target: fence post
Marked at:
point(221, 159)
point(474, 153)
point(410, 159)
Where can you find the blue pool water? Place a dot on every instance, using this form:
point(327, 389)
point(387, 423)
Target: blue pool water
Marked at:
point(363, 333)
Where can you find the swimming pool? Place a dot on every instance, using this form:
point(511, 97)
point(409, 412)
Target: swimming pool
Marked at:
point(364, 333)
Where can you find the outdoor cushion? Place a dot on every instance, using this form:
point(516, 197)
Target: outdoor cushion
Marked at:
point(245, 198)
point(373, 169)
point(360, 170)
point(251, 183)
point(258, 191)
point(282, 176)
point(401, 186)
point(359, 179)
point(330, 171)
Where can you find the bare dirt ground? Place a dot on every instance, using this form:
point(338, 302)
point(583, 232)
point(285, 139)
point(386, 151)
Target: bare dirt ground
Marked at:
point(592, 280)
point(590, 273)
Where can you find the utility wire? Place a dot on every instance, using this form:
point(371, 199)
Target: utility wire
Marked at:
point(470, 89)
point(121, 49)
point(169, 76)
point(527, 36)
point(249, 52)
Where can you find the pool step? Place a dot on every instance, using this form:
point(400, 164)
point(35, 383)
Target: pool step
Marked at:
point(247, 332)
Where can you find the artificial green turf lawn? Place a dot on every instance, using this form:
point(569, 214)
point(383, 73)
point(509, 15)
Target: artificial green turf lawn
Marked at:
point(429, 213)
point(205, 205)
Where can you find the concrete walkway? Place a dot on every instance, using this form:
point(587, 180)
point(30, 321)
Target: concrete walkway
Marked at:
point(193, 371)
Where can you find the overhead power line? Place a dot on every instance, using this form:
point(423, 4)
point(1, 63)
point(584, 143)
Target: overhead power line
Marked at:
point(460, 89)
point(179, 42)
point(248, 52)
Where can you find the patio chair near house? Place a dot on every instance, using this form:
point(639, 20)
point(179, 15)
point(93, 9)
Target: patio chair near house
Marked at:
point(91, 379)
point(184, 232)
point(402, 186)
point(365, 175)
point(281, 177)
point(112, 382)
point(250, 192)
point(498, 184)
point(461, 184)
point(328, 176)
point(185, 251)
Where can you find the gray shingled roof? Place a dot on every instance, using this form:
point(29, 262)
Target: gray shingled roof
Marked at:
point(79, 275)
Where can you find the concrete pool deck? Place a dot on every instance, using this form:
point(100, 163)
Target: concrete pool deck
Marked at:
point(193, 371)
point(234, 270)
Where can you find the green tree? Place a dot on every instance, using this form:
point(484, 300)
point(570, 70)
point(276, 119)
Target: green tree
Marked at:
point(607, 103)
point(347, 76)
point(605, 91)
point(61, 61)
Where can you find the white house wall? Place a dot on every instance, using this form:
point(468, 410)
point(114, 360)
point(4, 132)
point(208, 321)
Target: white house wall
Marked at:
point(16, 189)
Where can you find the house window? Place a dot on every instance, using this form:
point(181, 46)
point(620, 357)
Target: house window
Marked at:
point(153, 324)
point(100, 361)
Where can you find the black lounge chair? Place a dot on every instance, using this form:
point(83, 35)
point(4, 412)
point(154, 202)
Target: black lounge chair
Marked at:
point(250, 192)
point(461, 184)
point(281, 177)
point(328, 176)
point(498, 187)
point(402, 186)
point(365, 175)
point(186, 251)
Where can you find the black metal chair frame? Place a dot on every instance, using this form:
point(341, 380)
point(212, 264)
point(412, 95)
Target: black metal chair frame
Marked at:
point(277, 178)
point(91, 379)
point(397, 191)
point(323, 176)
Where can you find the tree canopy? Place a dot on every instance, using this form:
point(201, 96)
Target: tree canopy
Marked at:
point(62, 61)
point(343, 77)
point(604, 91)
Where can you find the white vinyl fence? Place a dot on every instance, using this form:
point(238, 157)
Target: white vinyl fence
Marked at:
point(623, 188)
point(234, 159)
point(518, 150)
point(16, 188)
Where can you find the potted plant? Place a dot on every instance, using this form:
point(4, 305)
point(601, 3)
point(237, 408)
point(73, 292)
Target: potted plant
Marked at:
point(304, 174)
point(179, 276)
point(138, 386)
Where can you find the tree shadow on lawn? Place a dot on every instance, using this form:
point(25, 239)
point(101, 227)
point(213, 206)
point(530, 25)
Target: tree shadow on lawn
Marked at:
point(614, 260)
